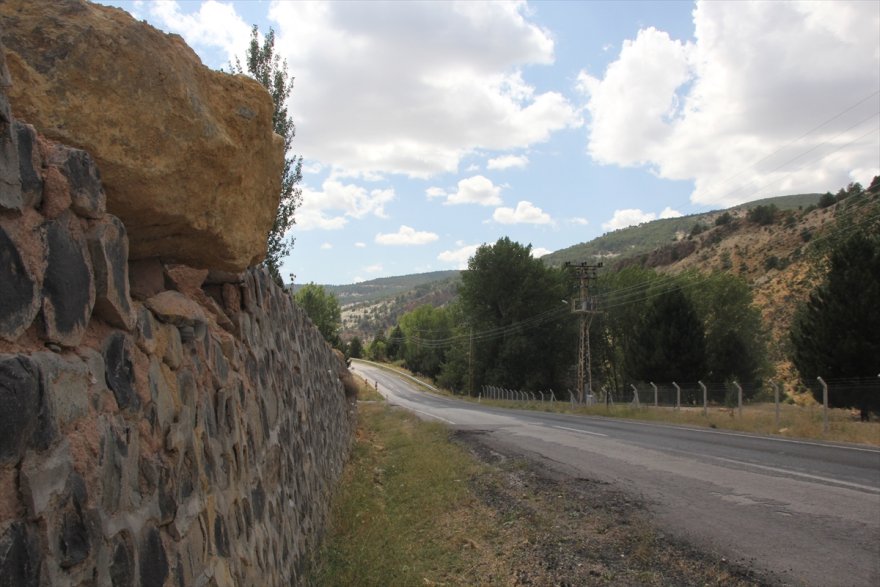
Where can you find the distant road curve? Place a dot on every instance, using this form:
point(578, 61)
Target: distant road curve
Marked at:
point(797, 512)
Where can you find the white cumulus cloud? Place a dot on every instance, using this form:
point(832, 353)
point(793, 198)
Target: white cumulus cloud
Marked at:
point(628, 217)
point(413, 87)
point(472, 190)
point(524, 213)
point(215, 25)
point(770, 98)
point(539, 252)
point(458, 258)
point(670, 213)
point(406, 236)
point(507, 161)
point(337, 202)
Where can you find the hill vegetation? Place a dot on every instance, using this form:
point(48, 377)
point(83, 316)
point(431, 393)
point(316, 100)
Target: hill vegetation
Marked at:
point(649, 236)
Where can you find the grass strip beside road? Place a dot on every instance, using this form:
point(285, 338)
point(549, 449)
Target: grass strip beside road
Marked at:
point(404, 514)
point(422, 505)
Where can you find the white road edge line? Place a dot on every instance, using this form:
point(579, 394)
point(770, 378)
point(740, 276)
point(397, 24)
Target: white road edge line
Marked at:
point(579, 430)
point(798, 474)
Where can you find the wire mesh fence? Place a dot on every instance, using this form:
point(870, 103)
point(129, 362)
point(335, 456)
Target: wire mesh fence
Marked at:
point(862, 394)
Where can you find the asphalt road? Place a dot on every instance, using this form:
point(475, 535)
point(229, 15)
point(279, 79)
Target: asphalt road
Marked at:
point(796, 512)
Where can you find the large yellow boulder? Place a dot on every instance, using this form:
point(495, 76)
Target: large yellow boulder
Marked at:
point(187, 155)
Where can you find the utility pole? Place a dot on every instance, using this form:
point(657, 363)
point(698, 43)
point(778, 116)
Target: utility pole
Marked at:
point(471, 363)
point(585, 307)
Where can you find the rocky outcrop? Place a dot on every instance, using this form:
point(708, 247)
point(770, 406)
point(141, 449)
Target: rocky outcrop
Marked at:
point(187, 155)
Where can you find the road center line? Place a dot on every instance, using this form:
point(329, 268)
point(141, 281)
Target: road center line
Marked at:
point(579, 430)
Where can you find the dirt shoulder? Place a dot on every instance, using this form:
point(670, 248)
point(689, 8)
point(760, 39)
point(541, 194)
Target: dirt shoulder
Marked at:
point(559, 530)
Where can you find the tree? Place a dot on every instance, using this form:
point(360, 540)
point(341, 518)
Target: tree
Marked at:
point(355, 348)
point(525, 338)
point(763, 215)
point(264, 65)
point(827, 199)
point(736, 346)
point(669, 344)
point(396, 345)
point(377, 349)
point(323, 310)
point(428, 329)
point(836, 334)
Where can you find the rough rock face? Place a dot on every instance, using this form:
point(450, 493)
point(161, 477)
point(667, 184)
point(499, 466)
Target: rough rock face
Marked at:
point(187, 155)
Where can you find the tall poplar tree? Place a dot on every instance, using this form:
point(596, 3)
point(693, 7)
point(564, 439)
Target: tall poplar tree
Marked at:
point(264, 65)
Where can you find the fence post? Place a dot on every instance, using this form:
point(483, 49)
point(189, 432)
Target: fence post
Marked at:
point(739, 397)
point(655, 393)
point(636, 397)
point(705, 399)
point(824, 404)
point(677, 396)
point(776, 401)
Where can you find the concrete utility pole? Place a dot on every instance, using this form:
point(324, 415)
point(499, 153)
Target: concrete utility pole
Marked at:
point(586, 308)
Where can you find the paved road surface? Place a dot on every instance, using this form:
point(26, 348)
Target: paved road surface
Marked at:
point(798, 512)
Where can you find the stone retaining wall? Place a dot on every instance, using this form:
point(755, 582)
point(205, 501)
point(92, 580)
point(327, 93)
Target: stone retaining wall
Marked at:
point(169, 427)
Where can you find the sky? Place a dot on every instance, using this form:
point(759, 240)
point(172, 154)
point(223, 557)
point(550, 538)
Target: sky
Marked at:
point(430, 128)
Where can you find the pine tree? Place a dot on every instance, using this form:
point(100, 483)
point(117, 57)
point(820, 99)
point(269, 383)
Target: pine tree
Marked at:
point(264, 65)
point(836, 334)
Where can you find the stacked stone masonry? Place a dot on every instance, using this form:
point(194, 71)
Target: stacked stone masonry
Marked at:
point(169, 427)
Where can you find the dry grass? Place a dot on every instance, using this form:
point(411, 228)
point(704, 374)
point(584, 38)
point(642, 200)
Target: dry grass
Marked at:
point(404, 514)
point(795, 421)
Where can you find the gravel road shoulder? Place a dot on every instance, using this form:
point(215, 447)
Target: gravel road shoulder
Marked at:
point(561, 530)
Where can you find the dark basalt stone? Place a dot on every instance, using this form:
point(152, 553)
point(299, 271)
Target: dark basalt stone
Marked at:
point(10, 181)
point(87, 194)
point(20, 403)
point(20, 558)
point(68, 288)
point(108, 246)
point(31, 182)
point(19, 296)
point(221, 538)
point(153, 560)
point(119, 371)
point(73, 539)
point(122, 563)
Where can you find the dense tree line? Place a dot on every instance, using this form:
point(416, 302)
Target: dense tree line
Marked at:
point(511, 327)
